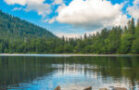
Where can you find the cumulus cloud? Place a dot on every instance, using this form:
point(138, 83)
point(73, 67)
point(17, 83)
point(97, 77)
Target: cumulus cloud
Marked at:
point(134, 10)
point(23, 2)
point(89, 14)
point(77, 35)
point(17, 9)
point(58, 2)
point(69, 35)
point(92, 13)
point(11, 2)
point(40, 7)
point(51, 20)
point(37, 5)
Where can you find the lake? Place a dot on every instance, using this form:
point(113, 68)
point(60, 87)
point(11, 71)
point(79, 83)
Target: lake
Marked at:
point(45, 72)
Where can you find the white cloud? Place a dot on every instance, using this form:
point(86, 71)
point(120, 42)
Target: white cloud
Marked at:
point(76, 35)
point(37, 5)
point(51, 20)
point(58, 2)
point(136, 2)
point(134, 10)
point(91, 13)
point(23, 2)
point(11, 2)
point(69, 35)
point(17, 9)
point(41, 8)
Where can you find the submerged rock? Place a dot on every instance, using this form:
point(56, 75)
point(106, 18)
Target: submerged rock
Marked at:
point(119, 88)
point(58, 88)
point(89, 88)
point(113, 88)
point(103, 89)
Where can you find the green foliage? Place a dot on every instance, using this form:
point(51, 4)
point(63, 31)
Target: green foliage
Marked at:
point(135, 46)
point(126, 42)
point(19, 36)
point(12, 28)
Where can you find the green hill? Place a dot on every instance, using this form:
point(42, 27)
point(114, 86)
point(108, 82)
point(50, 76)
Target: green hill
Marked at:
point(13, 27)
point(19, 36)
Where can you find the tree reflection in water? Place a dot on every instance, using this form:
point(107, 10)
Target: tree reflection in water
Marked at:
point(17, 71)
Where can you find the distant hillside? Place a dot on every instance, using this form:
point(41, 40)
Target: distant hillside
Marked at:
point(13, 27)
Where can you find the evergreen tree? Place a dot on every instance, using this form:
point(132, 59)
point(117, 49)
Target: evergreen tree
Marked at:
point(19, 36)
point(135, 46)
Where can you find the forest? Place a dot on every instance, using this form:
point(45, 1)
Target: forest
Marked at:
point(19, 36)
point(12, 28)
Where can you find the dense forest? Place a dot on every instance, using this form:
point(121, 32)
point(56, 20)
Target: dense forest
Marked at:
point(19, 36)
point(13, 28)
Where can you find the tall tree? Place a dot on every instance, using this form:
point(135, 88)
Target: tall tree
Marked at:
point(135, 46)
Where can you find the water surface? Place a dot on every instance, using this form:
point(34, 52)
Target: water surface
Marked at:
point(46, 72)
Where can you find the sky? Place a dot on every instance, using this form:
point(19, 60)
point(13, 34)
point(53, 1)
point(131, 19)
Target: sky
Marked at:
point(73, 18)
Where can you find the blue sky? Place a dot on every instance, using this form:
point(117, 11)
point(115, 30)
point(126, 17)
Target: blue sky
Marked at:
point(73, 18)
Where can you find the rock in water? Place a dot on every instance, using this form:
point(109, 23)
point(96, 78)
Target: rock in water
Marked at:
point(103, 89)
point(58, 88)
point(89, 88)
point(119, 88)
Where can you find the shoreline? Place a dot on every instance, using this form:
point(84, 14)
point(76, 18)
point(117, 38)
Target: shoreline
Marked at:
point(64, 55)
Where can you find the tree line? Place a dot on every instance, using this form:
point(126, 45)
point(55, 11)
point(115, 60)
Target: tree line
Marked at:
point(109, 41)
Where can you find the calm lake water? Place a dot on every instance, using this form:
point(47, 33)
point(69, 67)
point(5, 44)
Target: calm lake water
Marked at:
point(42, 72)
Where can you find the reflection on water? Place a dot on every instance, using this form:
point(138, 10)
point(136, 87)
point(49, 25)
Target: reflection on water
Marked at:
point(45, 73)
